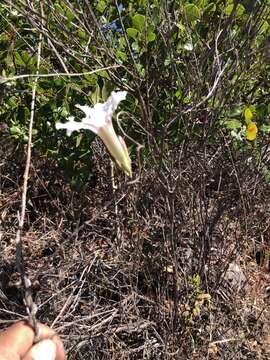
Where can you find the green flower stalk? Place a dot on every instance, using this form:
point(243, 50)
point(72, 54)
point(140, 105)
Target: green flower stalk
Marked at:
point(99, 120)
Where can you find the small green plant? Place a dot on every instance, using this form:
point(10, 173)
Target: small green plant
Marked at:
point(197, 297)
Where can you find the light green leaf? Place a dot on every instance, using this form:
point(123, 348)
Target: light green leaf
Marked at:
point(192, 12)
point(240, 10)
point(106, 90)
point(64, 112)
point(264, 27)
point(210, 8)
point(82, 34)
point(121, 55)
point(138, 22)
point(135, 46)
point(202, 3)
point(151, 36)
point(265, 128)
point(91, 78)
point(26, 57)
point(228, 9)
point(95, 96)
point(132, 33)
point(104, 74)
point(15, 130)
point(70, 15)
point(78, 139)
point(18, 59)
point(233, 124)
point(178, 94)
point(237, 111)
point(101, 6)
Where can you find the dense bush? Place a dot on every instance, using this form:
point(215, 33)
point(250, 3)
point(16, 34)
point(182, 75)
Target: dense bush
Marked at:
point(196, 121)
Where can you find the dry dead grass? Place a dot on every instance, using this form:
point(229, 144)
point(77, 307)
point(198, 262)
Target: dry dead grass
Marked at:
point(117, 274)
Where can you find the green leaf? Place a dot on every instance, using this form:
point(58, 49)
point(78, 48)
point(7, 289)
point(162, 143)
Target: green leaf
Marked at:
point(167, 62)
point(26, 57)
point(233, 124)
point(82, 34)
point(135, 46)
point(192, 12)
point(18, 59)
point(64, 112)
point(138, 22)
point(237, 111)
point(240, 10)
point(264, 27)
point(265, 128)
point(101, 6)
point(228, 9)
point(78, 139)
point(261, 111)
point(95, 96)
point(104, 74)
point(132, 33)
point(121, 55)
point(140, 68)
point(12, 102)
point(106, 90)
point(186, 100)
point(268, 108)
point(15, 130)
point(210, 8)
point(178, 94)
point(59, 8)
point(202, 3)
point(91, 78)
point(70, 15)
point(151, 36)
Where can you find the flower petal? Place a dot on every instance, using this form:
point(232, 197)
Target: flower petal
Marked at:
point(252, 131)
point(98, 115)
point(94, 116)
point(111, 104)
point(99, 120)
point(72, 125)
point(116, 146)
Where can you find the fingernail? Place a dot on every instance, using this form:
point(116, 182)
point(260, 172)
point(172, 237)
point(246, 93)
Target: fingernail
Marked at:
point(44, 350)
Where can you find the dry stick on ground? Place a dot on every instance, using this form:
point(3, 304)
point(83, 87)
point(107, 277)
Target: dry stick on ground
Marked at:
point(28, 299)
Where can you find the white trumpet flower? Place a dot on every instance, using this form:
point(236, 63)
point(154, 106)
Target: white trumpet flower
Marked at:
point(99, 120)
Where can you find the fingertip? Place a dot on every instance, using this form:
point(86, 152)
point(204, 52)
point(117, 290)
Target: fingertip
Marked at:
point(18, 339)
point(43, 350)
point(60, 351)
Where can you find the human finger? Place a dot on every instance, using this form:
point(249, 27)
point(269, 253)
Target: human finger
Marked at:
point(48, 349)
point(43, 350)
point(19, 338)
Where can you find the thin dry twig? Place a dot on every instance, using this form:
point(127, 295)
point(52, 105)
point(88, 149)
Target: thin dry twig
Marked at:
point(28, 299)
point(12, 78)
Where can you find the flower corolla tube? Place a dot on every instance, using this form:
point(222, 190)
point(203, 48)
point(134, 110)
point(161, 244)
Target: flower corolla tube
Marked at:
point(99, 120)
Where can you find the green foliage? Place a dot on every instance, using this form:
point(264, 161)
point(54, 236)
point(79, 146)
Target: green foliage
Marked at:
point(233, 124)
point(168, 57)
point(192, 12)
